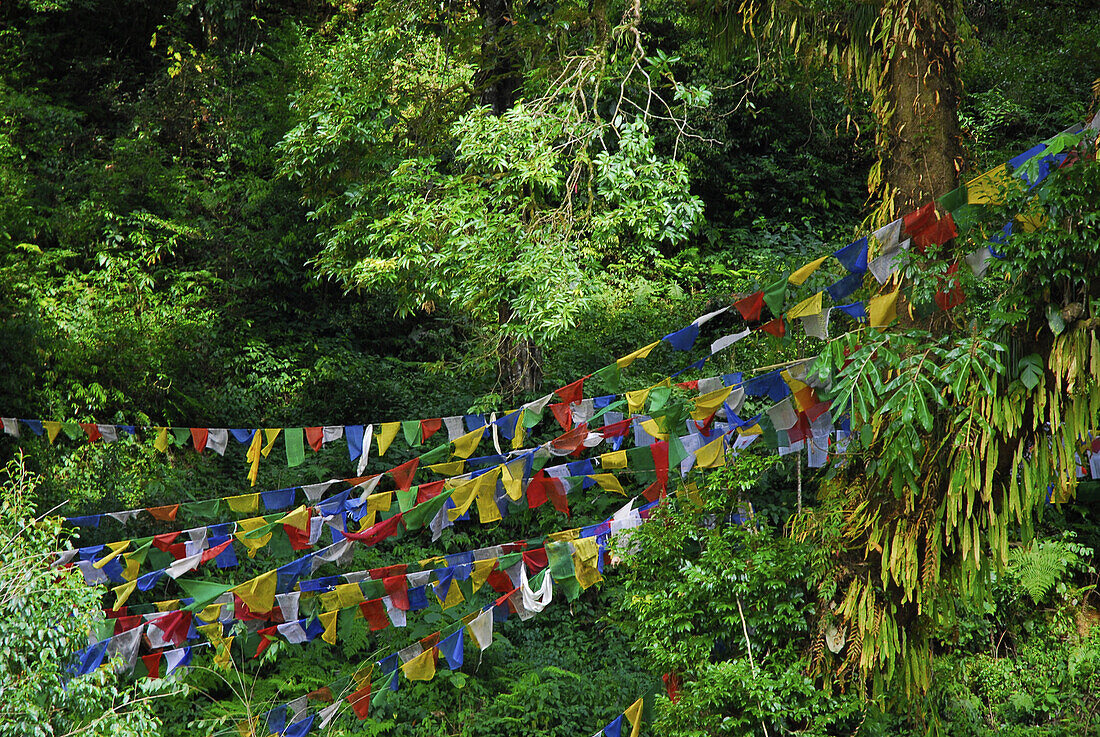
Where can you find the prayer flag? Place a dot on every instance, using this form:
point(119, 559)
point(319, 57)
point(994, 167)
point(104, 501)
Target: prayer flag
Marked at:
point(640, 353)
point(809, 306)
point(750, 306)
point(387, 431)
point(798, 277)
point(882, 310)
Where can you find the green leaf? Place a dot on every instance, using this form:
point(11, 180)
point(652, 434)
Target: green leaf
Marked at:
point(1031, 370)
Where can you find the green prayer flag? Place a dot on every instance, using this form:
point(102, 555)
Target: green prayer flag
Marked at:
point(767, 432)
point(677, 453)
point(438, 454)
point(422, 513)
point(954, 199)
point(372, 589)
point(658, 398)
point(608, 377)
point(75, 432)
point(203, 592)
point(295, 446)
point(966, 217)
point(509, 560)
point(775, 296)
point(411, 428)
point(181, 436)
point(207, 510)
point(531, 418)
point(406, 500)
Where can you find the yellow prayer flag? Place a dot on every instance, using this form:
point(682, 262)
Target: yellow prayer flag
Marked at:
point(212, 632)
point(608, 482)
point(614, 459)
point(480, 574)
point(161, 443)
point(712, 455)
point(562, 536)
point(883, 309)
point(513, 479)
point(211, 612)
point(653, 427)
point(328, 620)
point(270, 433)
point(754, 430)
point(463, 497)
point(122, 593)
point(487, 509)
point(132, 568)
point(243, 503)
point(796, 385)
point(466, 444)
point(640, 353)
point(691, 493)
point(989, 188)
point(709, 403)
point(224, 659)
point(252, 543)
point(1032, 220)
point(348, 595)
point(804, 273)
point(253, 458)
point(387, 431)
point(517, 438)
point(165, 606)
point(809, 306)
point(452, 468)
point(422, 667)
point(454, 596)
point(633, 715)
point(586, 552)
point(116, 550)
point(258, 593)
point(635, 401)
point(298, 519)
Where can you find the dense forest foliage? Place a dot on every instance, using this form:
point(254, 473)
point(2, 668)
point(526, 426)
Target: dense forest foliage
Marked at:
point(244, 214)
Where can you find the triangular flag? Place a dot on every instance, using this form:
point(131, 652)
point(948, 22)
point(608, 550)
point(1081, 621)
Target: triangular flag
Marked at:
point(640, 353)
point(804, 273)
point(387, 431)
point(750, 306)
point(633, 714)
point(422, 667)
point(882, 310)
point(809, 306)
point(466, 444)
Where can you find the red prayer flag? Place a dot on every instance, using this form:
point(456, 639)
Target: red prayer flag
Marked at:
point(750, 306)
point(563, 415)
point(672, 686)
point(211, 553)
point(175, 626)
point(557, 496)
point(500, 582)
point(178, 550)
point(572, 393)
point(801, 429)
point(378, 532)
point(690, 386)
point(164, 514)
point(267, 636)
point(127, 623)
point(242, 612)
point(570, 441)
point(360, 701)
point(152, 663)
point(198, 437)
point(322, 694)
point(374, 611)
point(424, 492)
point(952, 294)
point(91, 431)
point(164, 542)
point(315, 436)
point(775, 327)
point(299, 539)
point(536, 490)
point(535, 559)
point(396, 570)
point(616, 429)
point(818, 409)
point(397, 588)
point(430, 427)
point(403, 474)
point(654, 491)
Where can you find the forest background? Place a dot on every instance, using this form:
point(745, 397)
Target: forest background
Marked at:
point(214, 214)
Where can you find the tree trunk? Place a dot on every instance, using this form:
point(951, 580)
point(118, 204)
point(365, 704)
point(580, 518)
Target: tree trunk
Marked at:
point(519, 366)
point(921, 88)
point(498, 75)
